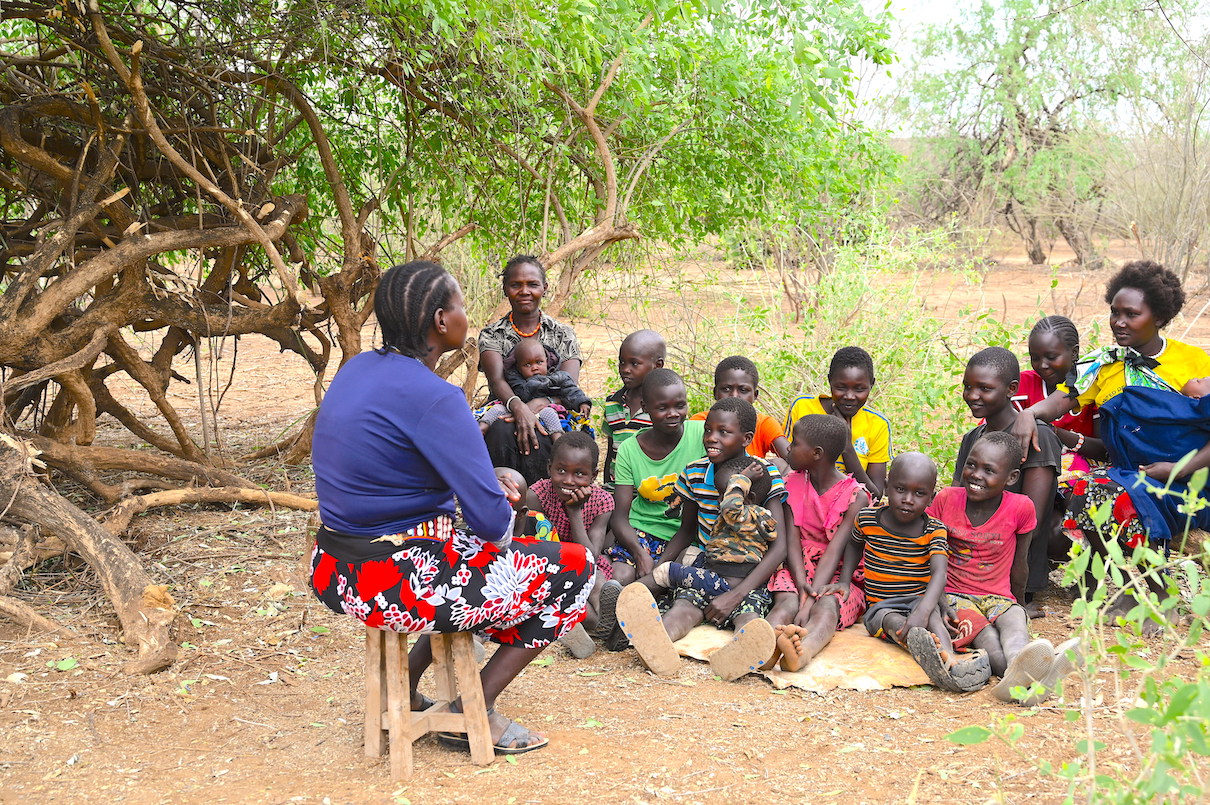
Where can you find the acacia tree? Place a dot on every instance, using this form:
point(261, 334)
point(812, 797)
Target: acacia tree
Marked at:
point(178, 169)
point(1008, 98)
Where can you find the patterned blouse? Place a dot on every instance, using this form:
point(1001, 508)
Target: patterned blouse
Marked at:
point(558, 338)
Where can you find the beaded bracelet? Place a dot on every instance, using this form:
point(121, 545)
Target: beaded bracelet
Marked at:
point(1079, 443)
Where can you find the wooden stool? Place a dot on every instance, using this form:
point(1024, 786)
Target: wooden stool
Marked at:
point(390, 721)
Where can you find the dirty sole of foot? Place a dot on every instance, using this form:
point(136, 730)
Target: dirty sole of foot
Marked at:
point(639, 619)
point(751, 647)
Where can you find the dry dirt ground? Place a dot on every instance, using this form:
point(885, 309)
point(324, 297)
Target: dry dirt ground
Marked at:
point(266, 701)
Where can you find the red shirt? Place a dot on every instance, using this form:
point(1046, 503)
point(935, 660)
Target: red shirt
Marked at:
point(1033, 390)
point(981, 557)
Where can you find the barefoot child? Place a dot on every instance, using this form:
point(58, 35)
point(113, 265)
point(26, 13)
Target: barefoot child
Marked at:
point(740, 536)
point(579, 511)
point(850, 380)
point(825, 503)
point(530, 380)
point(989, 532)
point(728, 430)
point(641, 351)
point(991, 380)
point(645, 514)
point(904, 551)
point(737, 376)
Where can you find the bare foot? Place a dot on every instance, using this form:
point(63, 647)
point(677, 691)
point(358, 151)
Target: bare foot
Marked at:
point(775, 657)
point(1035, 610)
point(789, 642)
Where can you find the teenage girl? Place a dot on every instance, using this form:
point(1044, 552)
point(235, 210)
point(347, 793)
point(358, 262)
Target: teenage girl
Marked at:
point(868, 448)
point(825, 503)
point(1054, 347)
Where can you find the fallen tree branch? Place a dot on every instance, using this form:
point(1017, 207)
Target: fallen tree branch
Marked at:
point(119, 519)
point(144, 609)
point(23, 614)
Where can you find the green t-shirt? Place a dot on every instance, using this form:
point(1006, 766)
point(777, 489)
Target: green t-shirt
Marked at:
point(654, 482)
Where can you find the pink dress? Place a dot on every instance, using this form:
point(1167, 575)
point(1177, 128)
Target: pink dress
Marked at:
point(817, 517)
point(599, 502)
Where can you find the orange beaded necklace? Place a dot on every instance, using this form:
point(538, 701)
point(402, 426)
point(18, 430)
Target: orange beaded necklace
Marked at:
point(531, 333)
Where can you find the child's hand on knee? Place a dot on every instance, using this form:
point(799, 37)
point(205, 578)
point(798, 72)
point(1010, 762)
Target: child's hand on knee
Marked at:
point(836, 588)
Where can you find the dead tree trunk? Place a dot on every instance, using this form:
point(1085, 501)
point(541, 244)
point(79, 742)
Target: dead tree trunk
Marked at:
point(1080, 242)
point(144, 609)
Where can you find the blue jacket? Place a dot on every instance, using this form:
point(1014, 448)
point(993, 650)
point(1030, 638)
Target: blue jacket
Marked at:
point(1144, 425)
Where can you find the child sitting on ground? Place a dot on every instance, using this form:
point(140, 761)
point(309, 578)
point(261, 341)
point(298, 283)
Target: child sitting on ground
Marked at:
point(641, 351)
point(737, 376)
point(579, 511)
point(740, 536)
point(528, 524)
point(646, 511)
point(904, 552)
point(825, 503)
point(728, 430)
point(989, 531)
point(850, 380)
point(991, 380)
point(529, 380)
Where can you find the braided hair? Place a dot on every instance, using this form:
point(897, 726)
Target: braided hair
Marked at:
point(1063, 329)
point(407, 299)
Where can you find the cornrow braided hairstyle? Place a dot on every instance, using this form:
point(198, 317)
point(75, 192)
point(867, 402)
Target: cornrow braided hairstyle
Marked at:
point(407, 299)
point(1063, 329)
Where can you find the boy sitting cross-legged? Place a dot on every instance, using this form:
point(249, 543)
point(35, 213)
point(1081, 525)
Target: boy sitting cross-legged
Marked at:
point(740, 536)
point(905, 572)
point(728, 430)
point(645, 511)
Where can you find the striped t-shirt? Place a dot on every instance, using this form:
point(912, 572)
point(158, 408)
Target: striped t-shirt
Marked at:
point(896, 564)
point(696, 483)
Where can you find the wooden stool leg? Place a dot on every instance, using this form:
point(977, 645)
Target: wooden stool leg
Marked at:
point(443, 667)
point(398, 718)
point(375, 687)
point(474, 706)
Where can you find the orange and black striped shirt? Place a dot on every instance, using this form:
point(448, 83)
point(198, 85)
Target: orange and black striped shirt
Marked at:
point(896, 564)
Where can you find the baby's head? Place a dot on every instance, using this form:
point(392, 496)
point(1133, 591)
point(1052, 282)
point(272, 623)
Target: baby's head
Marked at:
point(729, 429)
point(519, 480)
point(531, 357)
point(850, 380)
point(736, 376)
point(641, 351)
point(990, 381)
point(910, 486)
point(818, 440)
point(1196, 388)
point(756, 482)
point(992, 466)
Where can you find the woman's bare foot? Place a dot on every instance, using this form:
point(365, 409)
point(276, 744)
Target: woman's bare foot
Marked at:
point(511, 738)
point(789, 641)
